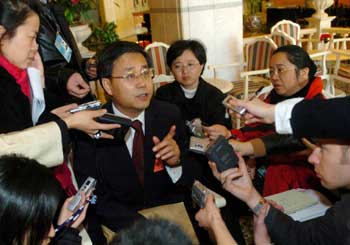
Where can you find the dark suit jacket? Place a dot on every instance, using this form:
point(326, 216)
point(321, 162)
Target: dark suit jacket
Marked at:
point(120, 194)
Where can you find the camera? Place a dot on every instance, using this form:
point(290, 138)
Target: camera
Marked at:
point(87, 187)
point(239, 109)
point(199, 194)
point(222, 153)
point(196, 127)
point(111, 118)
point(92, 105)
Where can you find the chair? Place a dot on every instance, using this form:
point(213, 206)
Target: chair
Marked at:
point(157, 51)
point(280, 38)
point(341, 71)
point(290, 28)
point(257, 56)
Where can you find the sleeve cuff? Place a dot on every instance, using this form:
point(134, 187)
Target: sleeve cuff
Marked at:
point(64, 134)
point(258, 147)
point(283, 114)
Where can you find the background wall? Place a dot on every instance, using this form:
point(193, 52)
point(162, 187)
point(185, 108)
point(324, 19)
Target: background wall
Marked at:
point(217, 23)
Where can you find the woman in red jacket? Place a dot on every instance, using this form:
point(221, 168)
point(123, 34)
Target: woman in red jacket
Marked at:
point(292, 74)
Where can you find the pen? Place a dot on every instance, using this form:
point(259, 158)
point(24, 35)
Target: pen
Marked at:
point(71, 219)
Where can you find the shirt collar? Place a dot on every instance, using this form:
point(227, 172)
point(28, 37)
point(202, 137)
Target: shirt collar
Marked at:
point(140, 117)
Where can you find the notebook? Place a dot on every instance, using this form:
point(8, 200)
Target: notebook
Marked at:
point(293, 200)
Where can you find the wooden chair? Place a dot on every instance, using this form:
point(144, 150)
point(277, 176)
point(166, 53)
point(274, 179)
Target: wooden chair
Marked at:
point(157, 51)
point(290, 28)
point(341, 71)
point(257, 55)
point(280, 38)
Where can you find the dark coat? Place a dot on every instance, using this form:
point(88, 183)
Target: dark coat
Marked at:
point(206, 104)
point(57, 69)
point(119, 193)
point(332, 228)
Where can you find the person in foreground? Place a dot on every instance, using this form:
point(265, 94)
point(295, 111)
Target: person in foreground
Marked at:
point(331, 162)
point(293, 74)
point(29, 197)
point(145, 164)
point(330, 158)
point(153, 231)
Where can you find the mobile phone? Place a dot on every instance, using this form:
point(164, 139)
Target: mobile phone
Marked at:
point(111, 118)
point(222, 153)
point(88, 186)
point(92, 105)
point(200, 192)
point(239, 109)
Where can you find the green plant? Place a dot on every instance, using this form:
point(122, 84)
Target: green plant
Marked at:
point(255, 6)
point(75, 9)
point(101, 36)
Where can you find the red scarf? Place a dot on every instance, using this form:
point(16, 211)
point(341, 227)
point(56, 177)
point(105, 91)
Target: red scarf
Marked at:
point(20, 75)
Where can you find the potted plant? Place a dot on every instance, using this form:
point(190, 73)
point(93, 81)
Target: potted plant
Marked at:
point(75, 9)
point(253, 20)
point(101, 36)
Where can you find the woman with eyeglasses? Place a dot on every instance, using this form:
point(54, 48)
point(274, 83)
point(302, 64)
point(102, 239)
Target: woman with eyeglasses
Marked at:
point(29, 199)
point(292, 74)
point(198, 99)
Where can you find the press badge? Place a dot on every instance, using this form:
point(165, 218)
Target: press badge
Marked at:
point(63, 47)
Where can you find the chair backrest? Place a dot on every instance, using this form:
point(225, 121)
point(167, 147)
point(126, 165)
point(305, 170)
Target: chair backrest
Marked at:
point(280, 38)
point(157, 51)
point(289, 27)
point(258, 53)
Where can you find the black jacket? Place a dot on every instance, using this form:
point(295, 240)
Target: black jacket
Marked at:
point(57, 69)
point(332, 228)
point(206, 104)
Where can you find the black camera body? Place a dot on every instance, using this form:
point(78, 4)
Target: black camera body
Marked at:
point(222, 153)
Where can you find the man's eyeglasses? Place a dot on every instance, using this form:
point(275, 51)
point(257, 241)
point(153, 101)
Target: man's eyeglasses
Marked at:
point(146, 73)
point(280, 70)
point(188, 67)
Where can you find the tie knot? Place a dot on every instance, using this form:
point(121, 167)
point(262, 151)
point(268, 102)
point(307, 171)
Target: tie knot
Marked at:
point(137, 125)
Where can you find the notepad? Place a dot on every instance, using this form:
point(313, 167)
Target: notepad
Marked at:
point(293, 200)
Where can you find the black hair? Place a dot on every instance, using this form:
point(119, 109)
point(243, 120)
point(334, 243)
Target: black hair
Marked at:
point(152, 232)
point(298, 57)
point(112, 52)
point(178, 47)
point(29, 196)
point(13, 13)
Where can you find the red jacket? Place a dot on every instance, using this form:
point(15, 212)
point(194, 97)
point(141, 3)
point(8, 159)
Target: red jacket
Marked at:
point(285, 171)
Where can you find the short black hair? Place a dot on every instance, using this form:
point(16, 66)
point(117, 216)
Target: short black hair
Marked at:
point(152, 232)
point(298, 57)
point(13, 13)
point(112, 52)
point(178, 47)
point(29, 196)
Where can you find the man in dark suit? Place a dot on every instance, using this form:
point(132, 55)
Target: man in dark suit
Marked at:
point(124, 187)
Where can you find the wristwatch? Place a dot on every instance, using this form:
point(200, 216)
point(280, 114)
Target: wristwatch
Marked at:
point(257, 207)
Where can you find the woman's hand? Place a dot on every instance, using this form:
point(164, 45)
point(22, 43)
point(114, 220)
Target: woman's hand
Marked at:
point(85, 121)
point(207, 216)
point(66, 213)
point(238, 182)
point(243, 148)
point(215, 130)
point(257, 110)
